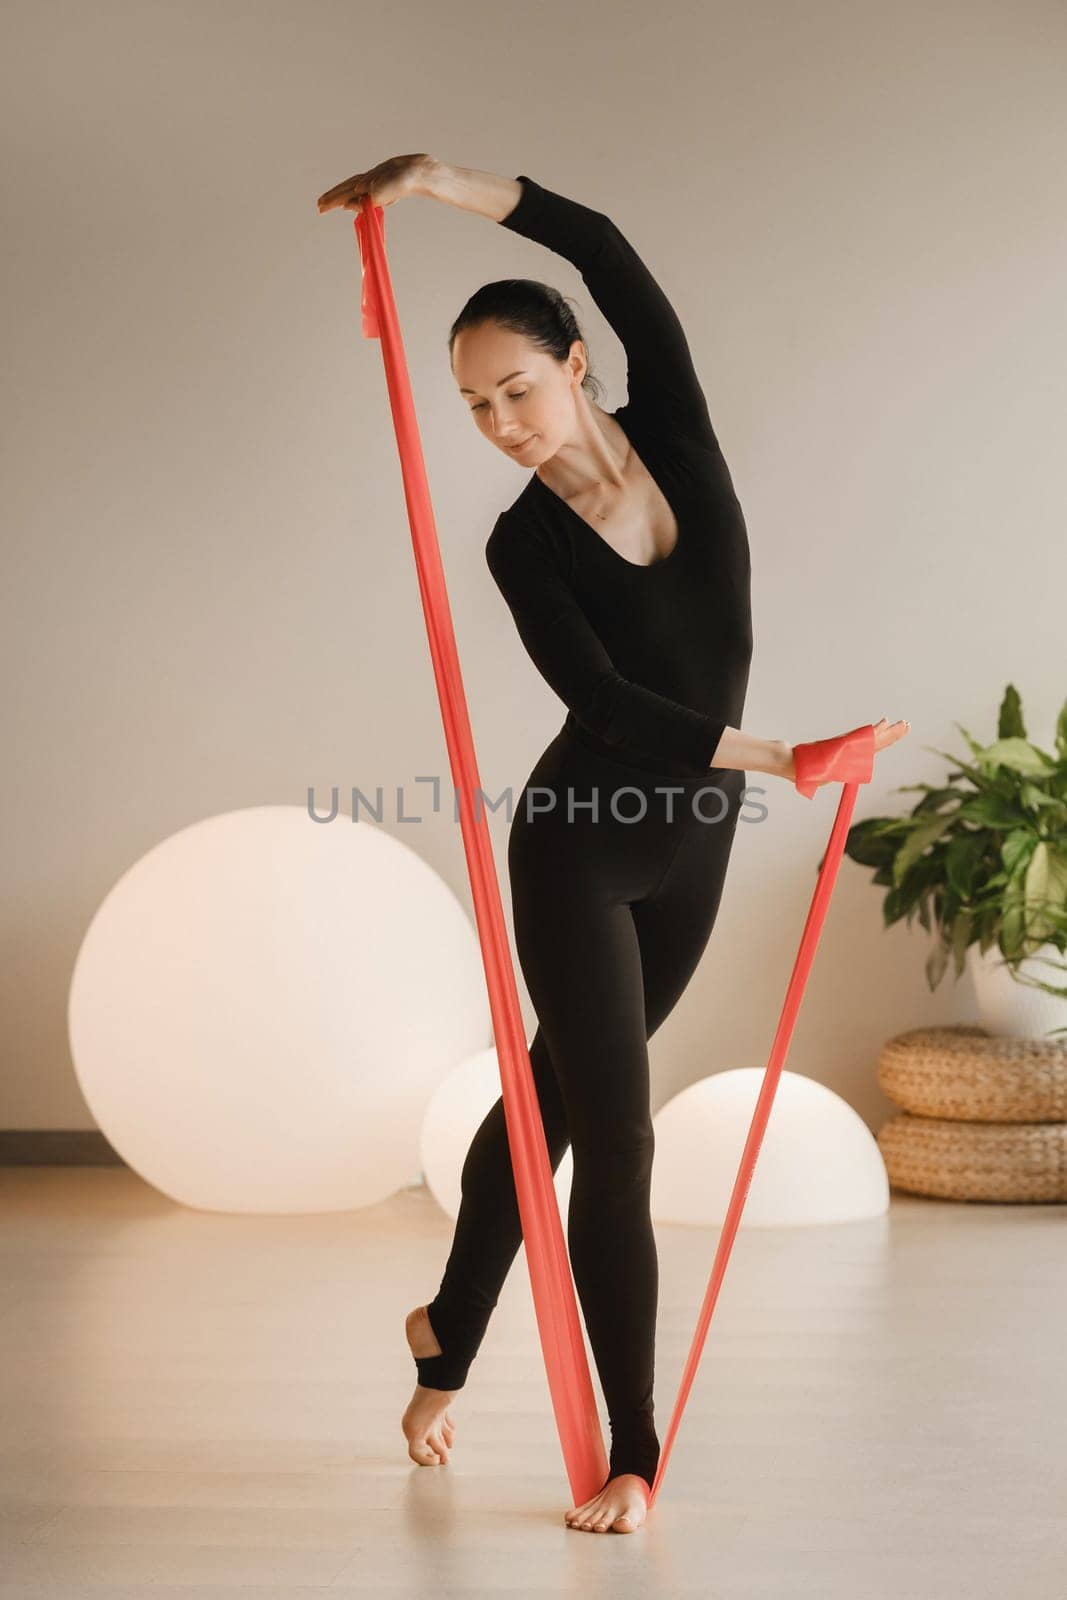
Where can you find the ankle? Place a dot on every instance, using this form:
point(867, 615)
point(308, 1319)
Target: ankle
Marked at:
point(422, 1340)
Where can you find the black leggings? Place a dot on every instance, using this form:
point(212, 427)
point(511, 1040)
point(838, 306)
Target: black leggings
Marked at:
point(611, 918)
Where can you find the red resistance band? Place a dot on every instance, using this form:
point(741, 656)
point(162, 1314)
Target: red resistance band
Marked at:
point(847, 759)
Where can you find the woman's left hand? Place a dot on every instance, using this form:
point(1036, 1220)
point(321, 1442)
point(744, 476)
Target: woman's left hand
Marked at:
point(885, 734)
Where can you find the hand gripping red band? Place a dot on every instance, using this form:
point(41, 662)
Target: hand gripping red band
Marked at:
point(846, 760)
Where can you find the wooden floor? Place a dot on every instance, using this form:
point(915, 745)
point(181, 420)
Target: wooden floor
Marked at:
point(195, 1403)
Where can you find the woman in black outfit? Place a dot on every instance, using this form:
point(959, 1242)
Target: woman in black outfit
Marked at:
point(625, 563)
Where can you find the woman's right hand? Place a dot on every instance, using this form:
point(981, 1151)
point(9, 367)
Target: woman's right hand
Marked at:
point(386, 183)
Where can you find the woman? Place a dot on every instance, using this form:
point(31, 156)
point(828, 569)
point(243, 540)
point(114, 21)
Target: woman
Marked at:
point(625, 563)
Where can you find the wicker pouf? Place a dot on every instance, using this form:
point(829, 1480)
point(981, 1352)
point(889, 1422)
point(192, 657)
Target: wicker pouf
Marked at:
point(966, 1074)
point(1005, 1161)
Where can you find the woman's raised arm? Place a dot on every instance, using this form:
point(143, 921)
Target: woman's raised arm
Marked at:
point(660, 377)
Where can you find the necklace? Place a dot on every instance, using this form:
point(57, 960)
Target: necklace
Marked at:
point(601, 515)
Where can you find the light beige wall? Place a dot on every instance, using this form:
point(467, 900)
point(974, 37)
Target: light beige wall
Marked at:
point(210, 600)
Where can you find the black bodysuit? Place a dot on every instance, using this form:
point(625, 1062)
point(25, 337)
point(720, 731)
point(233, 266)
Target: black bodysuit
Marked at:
point(652, 662)
point(620, 839)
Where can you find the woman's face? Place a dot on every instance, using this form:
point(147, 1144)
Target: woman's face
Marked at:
point(522, 400)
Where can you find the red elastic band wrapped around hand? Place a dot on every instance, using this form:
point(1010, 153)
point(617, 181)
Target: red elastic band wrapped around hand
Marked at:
point(847, 758)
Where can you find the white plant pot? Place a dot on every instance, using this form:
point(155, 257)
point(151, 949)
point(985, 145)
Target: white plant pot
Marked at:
point(1014, 1009)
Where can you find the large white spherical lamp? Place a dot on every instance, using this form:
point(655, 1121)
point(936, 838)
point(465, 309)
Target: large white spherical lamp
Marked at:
point(819, 1161)
point(455, 1113)
point(263, 1005)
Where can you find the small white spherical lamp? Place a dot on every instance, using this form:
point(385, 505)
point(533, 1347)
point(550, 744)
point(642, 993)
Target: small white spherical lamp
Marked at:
point(818, 1162)
point(456, 1111)
point(263, 1005)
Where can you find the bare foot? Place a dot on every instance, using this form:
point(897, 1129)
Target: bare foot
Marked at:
point(620, 1506)
point(428, 1425)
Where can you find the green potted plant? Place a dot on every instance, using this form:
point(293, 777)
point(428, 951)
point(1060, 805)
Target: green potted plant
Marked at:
point(982, 862)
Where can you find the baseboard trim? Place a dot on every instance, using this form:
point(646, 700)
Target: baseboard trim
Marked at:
point(56, 1147)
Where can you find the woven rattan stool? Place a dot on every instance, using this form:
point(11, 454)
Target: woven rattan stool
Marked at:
point(968, 1075)
point(1005, 1161)
point(984, 1117)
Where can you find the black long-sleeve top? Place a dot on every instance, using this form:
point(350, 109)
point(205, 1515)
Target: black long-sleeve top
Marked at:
point(651, 661)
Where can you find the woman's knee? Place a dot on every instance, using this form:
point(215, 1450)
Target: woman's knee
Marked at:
point(487, 1167)
point(616, 1165)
